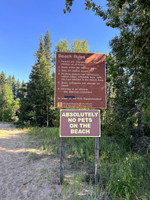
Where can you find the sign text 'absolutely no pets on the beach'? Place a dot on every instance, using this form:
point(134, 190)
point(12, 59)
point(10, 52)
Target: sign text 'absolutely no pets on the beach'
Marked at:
point(79, 123)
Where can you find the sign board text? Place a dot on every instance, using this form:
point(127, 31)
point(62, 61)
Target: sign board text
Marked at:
point(79, 123)
point(80, 80)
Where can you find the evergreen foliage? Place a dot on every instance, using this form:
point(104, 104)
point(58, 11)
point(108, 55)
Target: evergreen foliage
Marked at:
point(9, 80)
point(40, 52)
point(21, 90)
point(8, 106)
point(13, 86)
point(35, 109)
point(47, 47)
point(2, 78)
point(62, 46)
point(79, 46)
point(128, 68)
point(9, 103)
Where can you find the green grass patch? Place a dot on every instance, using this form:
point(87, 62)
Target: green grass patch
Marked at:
point(124, 175)
point(35, 156)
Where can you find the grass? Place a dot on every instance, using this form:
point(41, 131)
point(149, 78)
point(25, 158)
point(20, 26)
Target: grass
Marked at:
point(124, 175)
point(34, 156)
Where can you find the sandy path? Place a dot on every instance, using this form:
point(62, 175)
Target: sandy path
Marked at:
point(25, 172)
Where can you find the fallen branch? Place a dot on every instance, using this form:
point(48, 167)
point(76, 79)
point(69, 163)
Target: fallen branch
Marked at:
point(27, 182)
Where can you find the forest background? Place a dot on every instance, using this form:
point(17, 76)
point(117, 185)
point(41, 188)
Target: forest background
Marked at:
point(127, 117)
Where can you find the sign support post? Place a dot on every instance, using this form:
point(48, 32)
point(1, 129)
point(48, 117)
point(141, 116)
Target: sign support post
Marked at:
point(62, 154)
point(96, 160)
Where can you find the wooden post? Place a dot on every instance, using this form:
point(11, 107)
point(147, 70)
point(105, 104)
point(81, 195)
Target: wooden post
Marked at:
point(96, 159)
point(62, 142)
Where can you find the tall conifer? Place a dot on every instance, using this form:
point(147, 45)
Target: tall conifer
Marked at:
point(39, 53)
point(47, 46)
point(38, 99)
point(13, 86)
point(9, 80)
point(2, 78)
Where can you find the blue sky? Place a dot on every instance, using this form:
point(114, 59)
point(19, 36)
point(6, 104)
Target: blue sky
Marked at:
point(23, 21)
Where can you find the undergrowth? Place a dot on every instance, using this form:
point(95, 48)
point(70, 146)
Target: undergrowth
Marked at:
point(124, 174)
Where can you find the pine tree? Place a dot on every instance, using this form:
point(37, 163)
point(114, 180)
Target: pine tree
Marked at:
point(18, 85)
point(37, 102)
point(24, 112)
point(47, 47)
point(39, 92)
point(21, 92)
point(40, 52)
point(2, 78)
point(13, 86)
point(8, 106)
point(9, 80)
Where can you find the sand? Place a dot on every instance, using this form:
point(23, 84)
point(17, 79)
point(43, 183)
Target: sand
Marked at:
point(26, 173)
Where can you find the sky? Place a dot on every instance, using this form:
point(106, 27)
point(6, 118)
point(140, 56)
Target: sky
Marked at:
point(23, 21)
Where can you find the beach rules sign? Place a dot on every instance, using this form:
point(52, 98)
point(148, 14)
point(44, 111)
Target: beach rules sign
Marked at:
point(80, 80)
point(80, 85)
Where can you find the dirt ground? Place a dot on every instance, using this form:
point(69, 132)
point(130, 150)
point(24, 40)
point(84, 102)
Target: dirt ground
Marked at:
point(26, 173)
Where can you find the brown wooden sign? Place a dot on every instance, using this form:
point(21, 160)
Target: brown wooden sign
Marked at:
point(80, 80)
point(79, 123)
